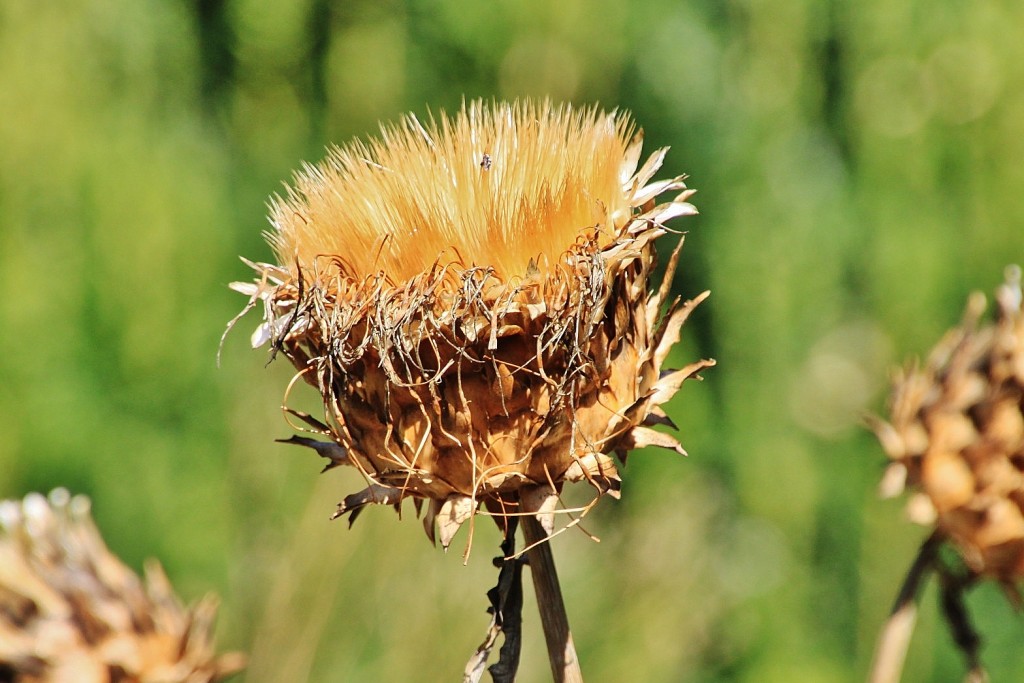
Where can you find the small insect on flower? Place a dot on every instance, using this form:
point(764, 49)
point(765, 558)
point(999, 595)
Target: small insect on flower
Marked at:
point(510, 343)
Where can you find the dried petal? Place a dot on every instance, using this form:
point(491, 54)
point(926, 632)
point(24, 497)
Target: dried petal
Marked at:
point(599, 470)
point(454, 512)
point(542, 502)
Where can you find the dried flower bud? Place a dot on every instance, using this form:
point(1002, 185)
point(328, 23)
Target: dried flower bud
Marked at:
point(70, 611)
point(956, 432)
point(471, 300)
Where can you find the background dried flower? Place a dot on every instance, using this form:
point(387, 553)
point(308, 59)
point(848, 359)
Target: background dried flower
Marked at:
point(471, 299)
point(955, 435)
point(71, 612)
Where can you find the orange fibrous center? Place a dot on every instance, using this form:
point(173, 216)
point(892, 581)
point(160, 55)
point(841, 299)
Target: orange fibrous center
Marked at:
point(507, 188)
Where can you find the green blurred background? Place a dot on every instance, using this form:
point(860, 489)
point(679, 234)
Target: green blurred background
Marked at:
point(860, 167)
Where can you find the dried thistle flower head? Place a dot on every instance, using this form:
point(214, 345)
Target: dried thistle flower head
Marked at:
point(470, 297)
point(70, 611)
point(956, 435)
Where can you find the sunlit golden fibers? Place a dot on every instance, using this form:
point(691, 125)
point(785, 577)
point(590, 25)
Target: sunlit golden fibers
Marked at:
point(491, 187)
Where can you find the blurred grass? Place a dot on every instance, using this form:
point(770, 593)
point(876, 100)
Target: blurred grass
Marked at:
point(859, 172)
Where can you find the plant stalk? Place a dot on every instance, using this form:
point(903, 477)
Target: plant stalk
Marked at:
point(565, 665)
point(894, 639)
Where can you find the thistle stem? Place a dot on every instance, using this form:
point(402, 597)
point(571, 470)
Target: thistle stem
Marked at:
point(895, 637)
point(565, 666)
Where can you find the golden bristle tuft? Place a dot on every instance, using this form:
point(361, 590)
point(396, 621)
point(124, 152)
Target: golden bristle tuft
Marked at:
point(499, 188)
point(472, 301)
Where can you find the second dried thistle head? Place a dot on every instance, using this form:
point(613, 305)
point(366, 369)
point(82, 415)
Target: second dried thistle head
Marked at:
point(472, 300)
point(955, 436)
point(70, 610)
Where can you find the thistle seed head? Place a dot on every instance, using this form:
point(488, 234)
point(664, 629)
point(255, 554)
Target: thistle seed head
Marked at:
point(955, 436)
point(72, 611)
point(471, 297)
